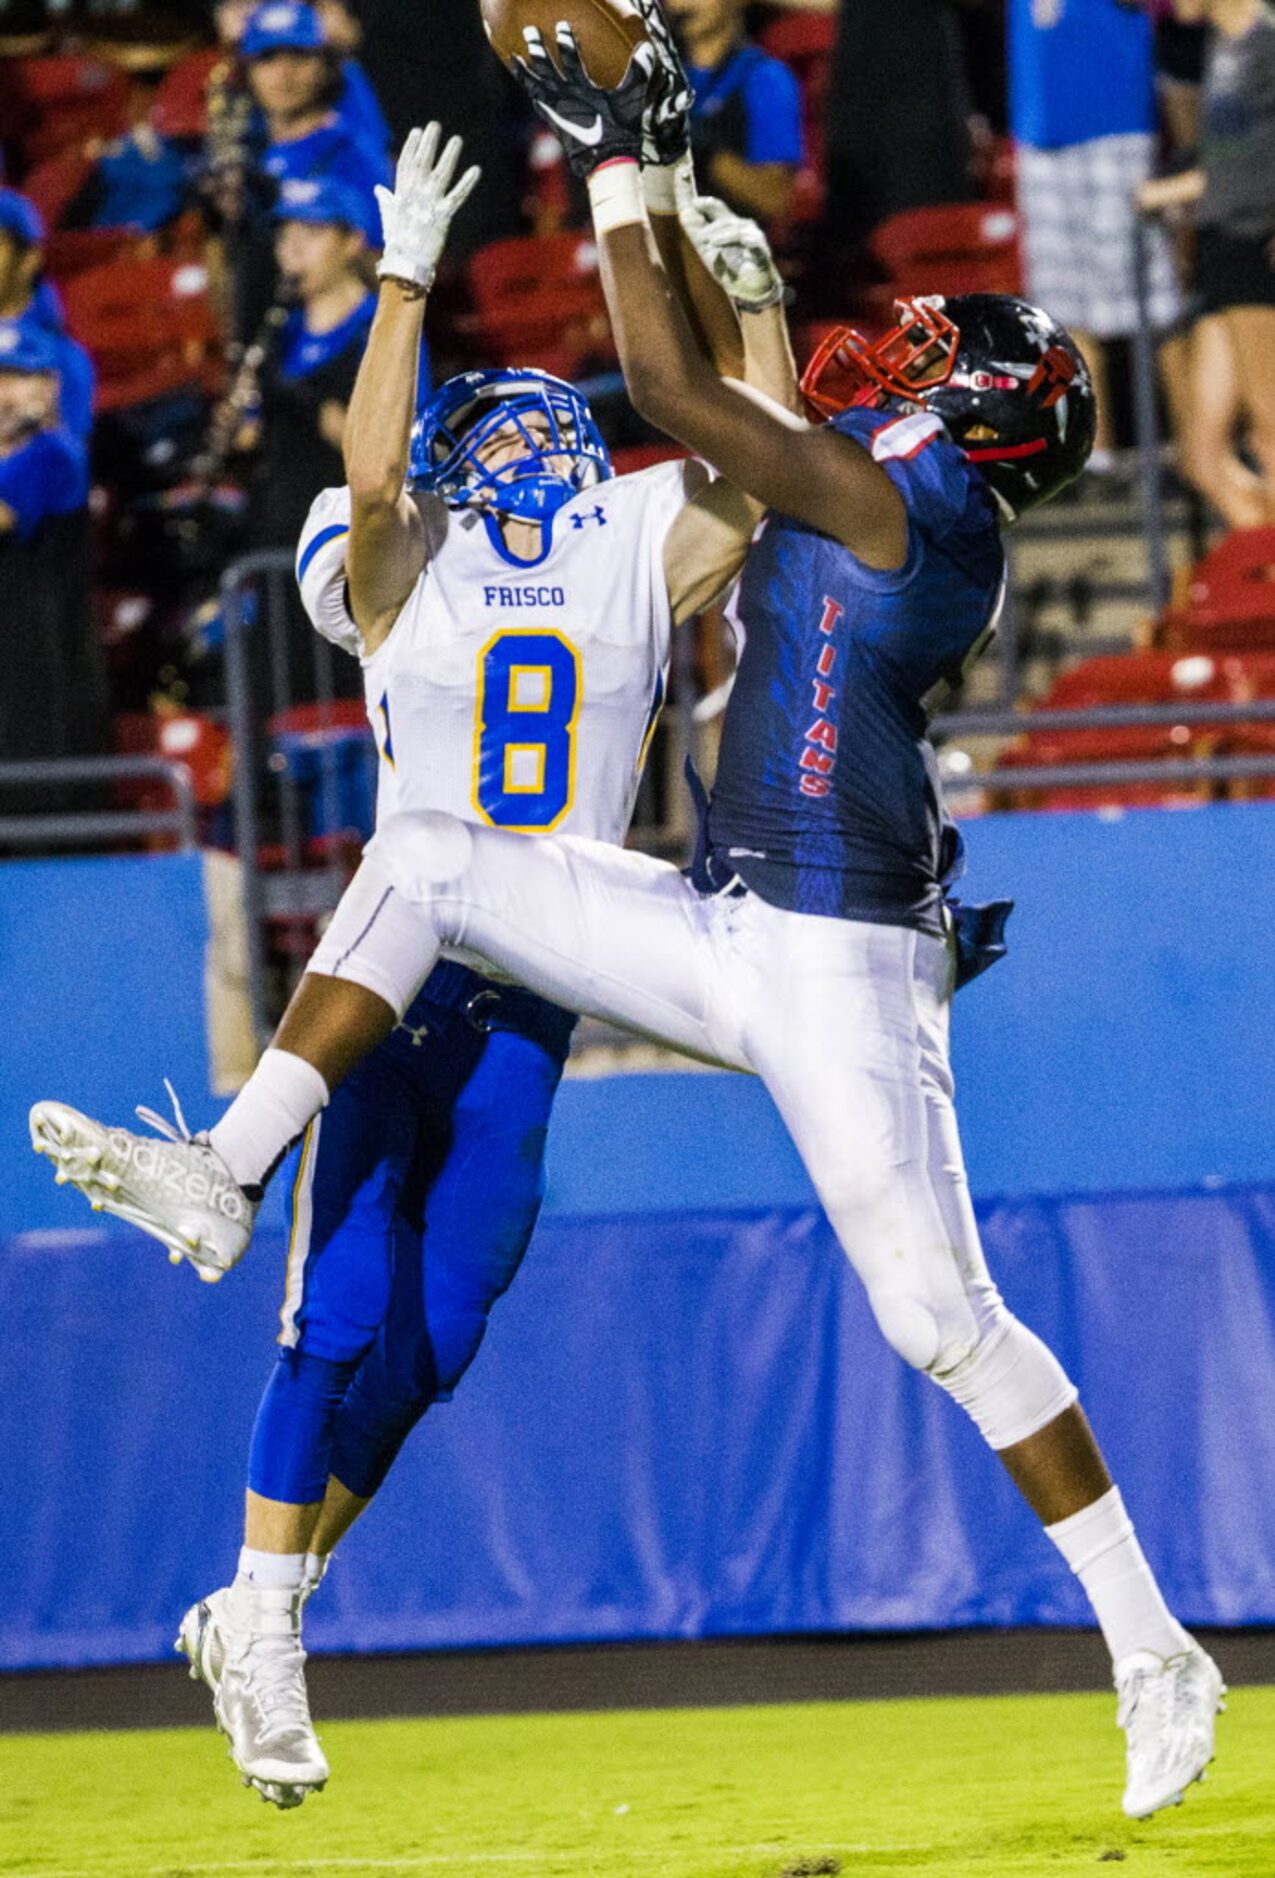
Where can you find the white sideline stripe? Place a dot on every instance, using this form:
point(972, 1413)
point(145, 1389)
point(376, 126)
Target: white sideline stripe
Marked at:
point(427, 1860)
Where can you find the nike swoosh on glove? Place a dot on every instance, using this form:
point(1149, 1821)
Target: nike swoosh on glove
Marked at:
point(596, 126)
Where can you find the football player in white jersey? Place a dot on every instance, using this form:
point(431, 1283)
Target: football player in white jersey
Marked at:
point(511, 602)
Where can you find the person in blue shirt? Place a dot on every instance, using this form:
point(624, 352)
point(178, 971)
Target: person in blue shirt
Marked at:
point(53, 701)
point(1085, 147)
point(43, 469)
point(357, 104)
point(325, 233)
point(28, 301)
point(295, 78)
point(746, 119)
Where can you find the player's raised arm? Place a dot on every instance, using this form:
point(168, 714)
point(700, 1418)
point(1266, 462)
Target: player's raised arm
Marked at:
point(736, 253)
point(387, 540)
point(814, 475)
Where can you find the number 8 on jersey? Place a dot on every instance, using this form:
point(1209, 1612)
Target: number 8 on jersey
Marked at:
point(529, 697)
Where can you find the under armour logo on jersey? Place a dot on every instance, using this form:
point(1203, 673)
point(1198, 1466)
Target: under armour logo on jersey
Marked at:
point(598, 515)
point(418, 1034)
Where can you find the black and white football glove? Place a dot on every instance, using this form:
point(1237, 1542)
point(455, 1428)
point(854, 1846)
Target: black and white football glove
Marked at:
point(666, 125)
point(595, 125)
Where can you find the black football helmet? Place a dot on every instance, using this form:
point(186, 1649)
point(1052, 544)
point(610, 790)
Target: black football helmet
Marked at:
point(1009, 385)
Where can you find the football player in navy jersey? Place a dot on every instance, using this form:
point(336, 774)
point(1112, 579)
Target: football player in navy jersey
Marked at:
point(811, 943)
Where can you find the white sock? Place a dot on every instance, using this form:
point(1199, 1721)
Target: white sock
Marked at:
point(271, 1571)
point(1101, 1547)
point(316, 1564)
point(281, 1097)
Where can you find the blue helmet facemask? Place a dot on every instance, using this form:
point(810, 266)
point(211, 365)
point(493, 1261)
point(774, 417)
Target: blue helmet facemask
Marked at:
point(531, 485)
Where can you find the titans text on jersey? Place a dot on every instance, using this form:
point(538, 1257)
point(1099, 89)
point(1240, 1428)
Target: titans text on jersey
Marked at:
point(827, 797)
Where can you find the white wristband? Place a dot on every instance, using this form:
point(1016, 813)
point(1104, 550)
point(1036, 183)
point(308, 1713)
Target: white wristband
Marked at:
point(669, 187)
point(615, 196)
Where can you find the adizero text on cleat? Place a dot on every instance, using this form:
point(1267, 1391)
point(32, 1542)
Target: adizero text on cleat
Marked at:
point(178, 1190)
point(1167, 1709)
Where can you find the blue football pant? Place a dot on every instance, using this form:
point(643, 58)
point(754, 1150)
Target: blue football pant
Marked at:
point(416, 1195)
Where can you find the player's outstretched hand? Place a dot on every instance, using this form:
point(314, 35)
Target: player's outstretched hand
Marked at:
point(735, 252)
point(417, 213)
point(666, 124)
point(595, 125)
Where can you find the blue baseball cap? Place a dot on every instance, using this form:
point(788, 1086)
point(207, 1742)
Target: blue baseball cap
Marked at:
point(325, 199)
point(20, 218)
point(282, 26)
point(26, 348)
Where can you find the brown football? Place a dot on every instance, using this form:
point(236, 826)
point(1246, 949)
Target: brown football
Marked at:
point(607, 31)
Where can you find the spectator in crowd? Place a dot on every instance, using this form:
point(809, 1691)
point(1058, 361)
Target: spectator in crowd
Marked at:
point(357, 105)
point(293, 131)
point(141, 181)
point(1083, 114)
point(1232, 190)
point(53, 700)
point(296, 80)
point(325, 232)
point(27, 300)
point(746, 121)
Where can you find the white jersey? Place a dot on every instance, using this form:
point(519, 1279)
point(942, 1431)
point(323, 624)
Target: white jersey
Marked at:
point(522, 696)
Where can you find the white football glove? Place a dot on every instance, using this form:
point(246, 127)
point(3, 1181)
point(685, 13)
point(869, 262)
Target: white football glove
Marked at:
point(417, 213)
point(735, 252)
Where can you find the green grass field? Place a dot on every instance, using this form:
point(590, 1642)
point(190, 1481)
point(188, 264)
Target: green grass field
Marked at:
point(994, 1788)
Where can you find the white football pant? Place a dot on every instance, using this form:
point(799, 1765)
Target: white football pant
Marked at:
point(845, 1022)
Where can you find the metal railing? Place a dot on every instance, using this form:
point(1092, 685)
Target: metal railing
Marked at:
point(87, 828)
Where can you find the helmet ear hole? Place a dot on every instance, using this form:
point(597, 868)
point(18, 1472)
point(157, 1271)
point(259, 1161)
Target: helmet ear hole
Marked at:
point(979, 433)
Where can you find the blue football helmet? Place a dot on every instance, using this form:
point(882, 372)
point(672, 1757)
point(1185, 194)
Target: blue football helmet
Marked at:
point(468, 409)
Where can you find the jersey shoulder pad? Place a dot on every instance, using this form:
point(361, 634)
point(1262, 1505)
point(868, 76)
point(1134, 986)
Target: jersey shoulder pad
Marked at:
point(321, 570)
point(940, 486)
point(656, 494)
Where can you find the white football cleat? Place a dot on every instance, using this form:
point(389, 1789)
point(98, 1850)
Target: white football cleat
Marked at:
point(177, 1189)
point(246, 1645)
point(1167, 1709)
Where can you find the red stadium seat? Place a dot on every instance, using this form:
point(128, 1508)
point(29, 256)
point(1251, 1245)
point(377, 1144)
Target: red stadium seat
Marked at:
point(54, 184)
point(188, 737)
point(179, 107)
point(149, 325)
point(538, 300)
point(1152, 744)
point(805, 41)
point(956, 247)
point(640, 456)
point(74, 250)
point(800, 39)
point(52, 104)
point(1145, 678)
point(1139, 678)
point(1229, 602)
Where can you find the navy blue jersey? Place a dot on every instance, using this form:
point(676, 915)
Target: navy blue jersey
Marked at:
point(827, 797)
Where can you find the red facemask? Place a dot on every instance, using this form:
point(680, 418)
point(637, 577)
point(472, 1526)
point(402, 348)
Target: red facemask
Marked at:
point(912, 358)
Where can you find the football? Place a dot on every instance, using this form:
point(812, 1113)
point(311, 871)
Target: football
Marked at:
point(607, 31)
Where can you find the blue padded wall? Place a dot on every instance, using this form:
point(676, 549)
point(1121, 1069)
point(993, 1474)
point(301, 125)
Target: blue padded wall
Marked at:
point(684, 1421)
point(680, 1425)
